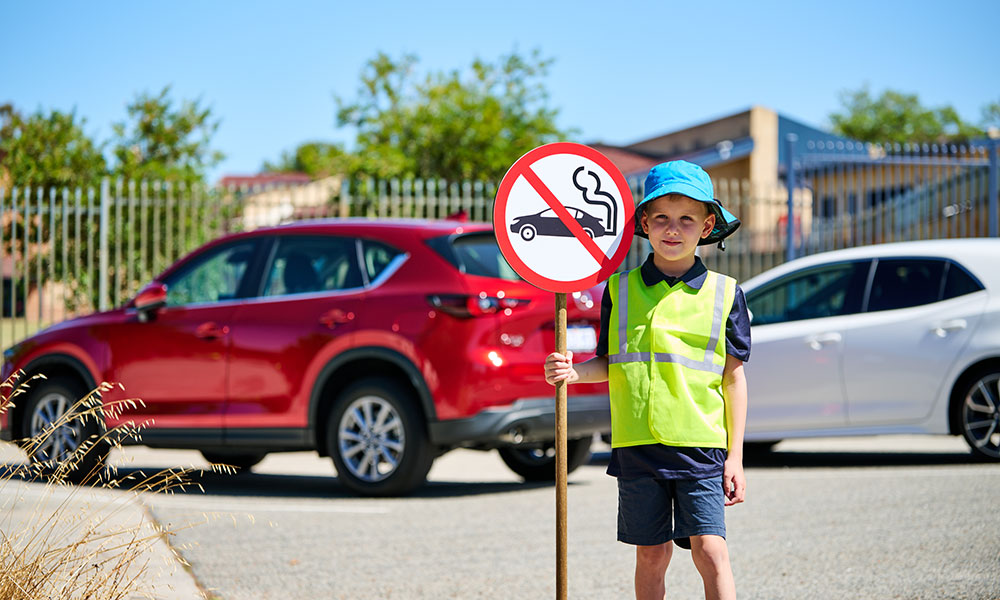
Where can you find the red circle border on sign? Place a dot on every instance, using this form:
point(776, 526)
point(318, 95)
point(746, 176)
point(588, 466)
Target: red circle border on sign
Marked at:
point(503, 235)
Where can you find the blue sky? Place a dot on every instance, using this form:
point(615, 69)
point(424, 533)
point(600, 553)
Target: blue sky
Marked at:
point(622, 72)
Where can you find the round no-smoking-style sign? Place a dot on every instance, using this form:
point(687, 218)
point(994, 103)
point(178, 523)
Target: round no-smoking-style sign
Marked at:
point(563, 217)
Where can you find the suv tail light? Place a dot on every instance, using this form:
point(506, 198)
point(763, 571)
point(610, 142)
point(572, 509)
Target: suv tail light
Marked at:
point(466, 307)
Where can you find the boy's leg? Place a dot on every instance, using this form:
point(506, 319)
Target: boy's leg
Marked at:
point(700, 515)
point(650, 569)
point(711, 558)
point(645, 521)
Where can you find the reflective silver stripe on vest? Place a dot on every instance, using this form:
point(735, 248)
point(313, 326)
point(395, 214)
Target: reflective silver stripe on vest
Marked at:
point(629, 357)
point(623, 316)
point(718, 310)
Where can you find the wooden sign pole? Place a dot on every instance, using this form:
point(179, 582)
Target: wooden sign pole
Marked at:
point(561, 463)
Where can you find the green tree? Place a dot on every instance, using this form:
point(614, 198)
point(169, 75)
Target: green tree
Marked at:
point(159, 141)
point(991, 116)
point(318, 159)
point(899, 118)
point(451, 125)
point(47, 150)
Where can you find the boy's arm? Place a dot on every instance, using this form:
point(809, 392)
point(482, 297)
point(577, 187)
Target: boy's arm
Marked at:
point(734, 389)
point(559, 367)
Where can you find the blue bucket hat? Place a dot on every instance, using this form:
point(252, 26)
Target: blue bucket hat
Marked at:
point(688, 179)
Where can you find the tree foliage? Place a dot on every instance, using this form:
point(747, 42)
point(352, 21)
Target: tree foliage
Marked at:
point(158, 141)
point(47, 150)
point(991, 116)
point(318, 159)
point(164, 142)
point(898, 117)
point(453, 125)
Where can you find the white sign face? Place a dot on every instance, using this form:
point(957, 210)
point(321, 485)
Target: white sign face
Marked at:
point(563, 217)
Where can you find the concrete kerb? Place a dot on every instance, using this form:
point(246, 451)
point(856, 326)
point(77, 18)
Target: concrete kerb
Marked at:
point(88, 512)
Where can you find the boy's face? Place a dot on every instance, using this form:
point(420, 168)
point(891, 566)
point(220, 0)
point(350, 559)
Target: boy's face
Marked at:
point(675, 224)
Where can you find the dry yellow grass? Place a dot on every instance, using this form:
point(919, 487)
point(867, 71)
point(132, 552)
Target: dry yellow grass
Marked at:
point(79, 541)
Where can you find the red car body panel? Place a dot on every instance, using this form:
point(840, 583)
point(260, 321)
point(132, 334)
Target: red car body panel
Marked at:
point(256, 362)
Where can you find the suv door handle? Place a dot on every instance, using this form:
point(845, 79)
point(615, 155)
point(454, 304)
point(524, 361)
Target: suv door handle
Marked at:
point(334, 317)
point(816, 342)
point(211, 331)
point(944, 327)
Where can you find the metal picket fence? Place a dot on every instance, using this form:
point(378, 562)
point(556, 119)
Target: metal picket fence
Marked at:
point(70, 252)
point(846, 194)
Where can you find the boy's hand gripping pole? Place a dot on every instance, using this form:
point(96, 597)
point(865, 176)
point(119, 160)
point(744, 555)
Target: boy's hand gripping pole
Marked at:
point(561, 463)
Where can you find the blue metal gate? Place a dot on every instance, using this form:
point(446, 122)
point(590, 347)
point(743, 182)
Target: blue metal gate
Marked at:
point(843, 194)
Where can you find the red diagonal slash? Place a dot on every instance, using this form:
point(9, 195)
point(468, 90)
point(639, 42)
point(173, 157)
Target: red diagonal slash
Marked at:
point(564, 216)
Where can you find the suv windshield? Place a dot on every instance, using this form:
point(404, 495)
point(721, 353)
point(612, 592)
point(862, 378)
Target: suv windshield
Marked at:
point(474, 254)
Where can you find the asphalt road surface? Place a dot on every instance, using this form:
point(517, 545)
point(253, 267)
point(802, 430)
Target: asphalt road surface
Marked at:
point(885, 517)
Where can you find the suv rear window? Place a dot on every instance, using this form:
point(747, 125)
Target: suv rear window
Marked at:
point(474, 254)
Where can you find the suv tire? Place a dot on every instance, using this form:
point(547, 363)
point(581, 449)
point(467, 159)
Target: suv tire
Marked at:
point(57, 400)
point(377, 439)
point(539, 463)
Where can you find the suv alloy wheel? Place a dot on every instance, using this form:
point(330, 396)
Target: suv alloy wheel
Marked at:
point(57, 433)
point(377, 439)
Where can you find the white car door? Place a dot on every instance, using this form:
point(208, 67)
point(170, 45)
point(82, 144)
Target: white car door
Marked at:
point(897, 354)
point(794, 372)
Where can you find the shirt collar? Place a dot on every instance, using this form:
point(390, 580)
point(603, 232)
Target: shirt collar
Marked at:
point(694, 277)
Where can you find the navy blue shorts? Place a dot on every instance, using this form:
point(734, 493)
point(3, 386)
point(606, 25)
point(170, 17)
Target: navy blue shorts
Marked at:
point(655, 511)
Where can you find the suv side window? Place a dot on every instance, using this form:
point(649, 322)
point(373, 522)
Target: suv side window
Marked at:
point(306, 264)
point(377, 257)
point(823, 291)
point(905, 282)
point(213, 277)
point(958, 282)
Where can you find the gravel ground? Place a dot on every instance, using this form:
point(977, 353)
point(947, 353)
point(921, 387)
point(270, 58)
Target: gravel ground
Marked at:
point(889, 517)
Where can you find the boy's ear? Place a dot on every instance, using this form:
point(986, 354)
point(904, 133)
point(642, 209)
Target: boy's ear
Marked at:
point(643, 222)
point(709, 225)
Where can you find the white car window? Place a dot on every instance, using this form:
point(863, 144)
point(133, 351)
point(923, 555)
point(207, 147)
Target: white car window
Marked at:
point(823, 291)
point(905, 282)
point(958, 282)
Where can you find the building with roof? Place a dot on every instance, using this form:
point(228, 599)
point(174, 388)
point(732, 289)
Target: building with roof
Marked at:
point(745, 146)
point(744, 154)
point(271, 198)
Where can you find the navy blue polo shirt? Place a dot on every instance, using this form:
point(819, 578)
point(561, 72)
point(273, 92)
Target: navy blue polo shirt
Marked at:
point(673, 462)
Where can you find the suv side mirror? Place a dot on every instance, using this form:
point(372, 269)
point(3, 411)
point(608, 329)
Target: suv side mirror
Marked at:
point(152, 298)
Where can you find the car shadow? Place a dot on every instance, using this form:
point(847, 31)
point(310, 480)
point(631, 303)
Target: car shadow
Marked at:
point(827, 459)
point(268, 485)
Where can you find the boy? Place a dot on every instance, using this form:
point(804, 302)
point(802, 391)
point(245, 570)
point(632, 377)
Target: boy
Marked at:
point(678, 393)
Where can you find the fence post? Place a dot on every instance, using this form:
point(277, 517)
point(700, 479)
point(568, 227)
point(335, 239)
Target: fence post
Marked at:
point(994, 213)
point(790, 140)
point(102, 231)
point(345, 198)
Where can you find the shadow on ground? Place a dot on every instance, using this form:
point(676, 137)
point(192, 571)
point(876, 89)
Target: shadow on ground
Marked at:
point(272, 485)
point(830, 459)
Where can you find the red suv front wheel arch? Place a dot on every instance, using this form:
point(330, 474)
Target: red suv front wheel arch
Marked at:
point(354, 365)
point(52, 366)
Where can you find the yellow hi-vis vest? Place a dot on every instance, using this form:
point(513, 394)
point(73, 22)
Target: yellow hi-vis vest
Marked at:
point(666, 355)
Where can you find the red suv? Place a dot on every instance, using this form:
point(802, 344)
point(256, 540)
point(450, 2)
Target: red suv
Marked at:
point(379, 343)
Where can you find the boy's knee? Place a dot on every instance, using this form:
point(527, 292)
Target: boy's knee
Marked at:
point(710, 551)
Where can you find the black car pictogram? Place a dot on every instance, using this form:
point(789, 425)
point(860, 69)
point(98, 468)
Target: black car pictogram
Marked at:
point(548, 223)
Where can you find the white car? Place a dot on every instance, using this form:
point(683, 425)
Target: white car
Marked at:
point(894, 338)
